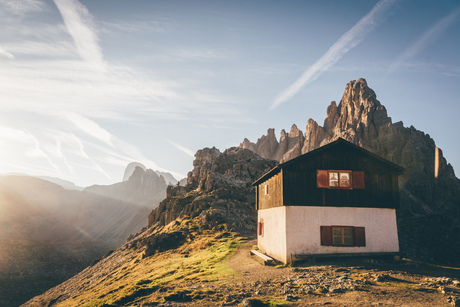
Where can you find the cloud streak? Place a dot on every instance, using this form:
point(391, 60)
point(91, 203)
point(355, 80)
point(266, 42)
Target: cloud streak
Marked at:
point(6, 54)
point(90, 127)
point(426, 39)
point(22, 7)
point(79, 23)
point(185, 150)
point(346, 42)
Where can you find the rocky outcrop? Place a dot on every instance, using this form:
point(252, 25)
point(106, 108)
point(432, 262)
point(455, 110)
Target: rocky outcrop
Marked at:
point(203, 165)
point(289, 146)
point(218, 190)
point(361, 119)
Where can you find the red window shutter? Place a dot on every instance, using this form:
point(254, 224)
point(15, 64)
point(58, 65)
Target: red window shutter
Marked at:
point(261, 229)
point(322, 181)
point(326, 235)
point(358, 180)
point(360, 236)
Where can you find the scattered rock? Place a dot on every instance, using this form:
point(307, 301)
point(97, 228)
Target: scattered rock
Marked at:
point(382, 277)
point(290, 298)
point(253, 302)
point(454, 301)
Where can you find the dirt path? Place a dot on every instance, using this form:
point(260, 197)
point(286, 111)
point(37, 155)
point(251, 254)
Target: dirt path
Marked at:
point(251, 269)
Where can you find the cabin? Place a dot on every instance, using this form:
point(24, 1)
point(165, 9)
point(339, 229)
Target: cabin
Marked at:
point(337, 200)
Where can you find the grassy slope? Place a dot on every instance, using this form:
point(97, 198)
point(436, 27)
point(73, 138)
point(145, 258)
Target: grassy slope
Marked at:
point(124, 277)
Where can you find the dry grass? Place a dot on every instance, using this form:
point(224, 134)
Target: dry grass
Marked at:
point(155, 278)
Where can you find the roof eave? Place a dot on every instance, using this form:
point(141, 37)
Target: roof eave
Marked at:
point(267, 175)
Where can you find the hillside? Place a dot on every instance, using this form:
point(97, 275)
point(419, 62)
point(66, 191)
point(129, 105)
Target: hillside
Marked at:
point(196, 253)
point(48, 233)
point(184, 257)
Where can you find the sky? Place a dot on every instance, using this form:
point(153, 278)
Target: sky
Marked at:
point(87, 87)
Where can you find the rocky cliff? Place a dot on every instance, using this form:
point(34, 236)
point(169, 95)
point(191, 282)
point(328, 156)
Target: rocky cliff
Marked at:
point(360, 118)
point(218, 190)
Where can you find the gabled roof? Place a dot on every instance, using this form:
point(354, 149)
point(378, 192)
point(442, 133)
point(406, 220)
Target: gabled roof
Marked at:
point(340, 141)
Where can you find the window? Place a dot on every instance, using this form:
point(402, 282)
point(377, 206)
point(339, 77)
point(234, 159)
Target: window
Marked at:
point(266, 189)
point(335, 179)
point(340, 179)
point(261, 228)
point(343, 236)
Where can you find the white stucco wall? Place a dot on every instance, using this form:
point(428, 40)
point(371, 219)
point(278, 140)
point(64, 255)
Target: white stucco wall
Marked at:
point(303, 229)
point(273, 241)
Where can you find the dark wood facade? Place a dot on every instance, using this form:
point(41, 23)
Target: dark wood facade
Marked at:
point(294, 183)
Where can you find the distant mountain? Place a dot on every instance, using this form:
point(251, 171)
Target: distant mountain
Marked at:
point(63, 183)
point(144, 187)
point(430, 205)
point(169, 179)
point(130, 169)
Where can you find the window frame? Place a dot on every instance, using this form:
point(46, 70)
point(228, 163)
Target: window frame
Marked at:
point(339, 181)
point(260, 228)
point(343, 236)
point(358, 234)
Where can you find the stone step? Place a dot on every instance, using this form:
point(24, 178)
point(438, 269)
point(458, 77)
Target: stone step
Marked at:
point(262, 258)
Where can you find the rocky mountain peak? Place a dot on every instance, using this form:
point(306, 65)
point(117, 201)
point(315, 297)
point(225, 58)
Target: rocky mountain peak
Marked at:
point(359, 107)
point(203, 165)
point(130, 169)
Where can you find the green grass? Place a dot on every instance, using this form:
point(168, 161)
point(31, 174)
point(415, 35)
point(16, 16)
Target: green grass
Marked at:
point(406, 286)
point(276, 302)
point(206, 264)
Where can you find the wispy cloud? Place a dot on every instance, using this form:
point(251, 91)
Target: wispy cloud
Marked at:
point(85, 155)
point(5, 53)
point(60, 154)
point(23, 6)
point(201, 55)
point(37, 150)
point(187, 151)
point(38, 49)
point(426, 39)
point(346, 42)
point(90, 127)
point(79, 23)
point(139, 26)
point(29, 144)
